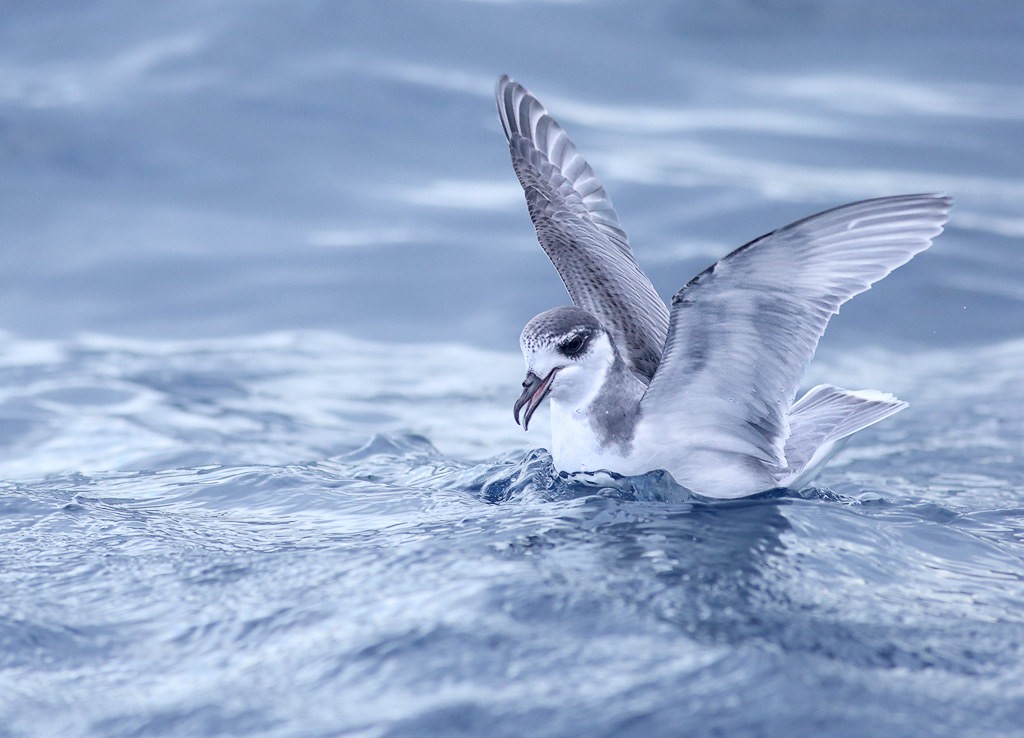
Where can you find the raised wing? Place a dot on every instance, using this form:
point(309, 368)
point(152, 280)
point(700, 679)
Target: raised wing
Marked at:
point(579, 230)
point(742, 331)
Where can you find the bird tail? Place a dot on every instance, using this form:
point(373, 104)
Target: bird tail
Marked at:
point(825, 416)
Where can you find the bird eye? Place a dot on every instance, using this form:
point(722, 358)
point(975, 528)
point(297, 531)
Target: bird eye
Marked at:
point(574, 345)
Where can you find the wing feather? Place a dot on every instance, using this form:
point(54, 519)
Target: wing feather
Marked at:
point(579, 230)
point(742, 331)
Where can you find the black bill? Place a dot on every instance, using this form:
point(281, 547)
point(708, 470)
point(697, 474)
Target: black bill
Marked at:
point(535, 390)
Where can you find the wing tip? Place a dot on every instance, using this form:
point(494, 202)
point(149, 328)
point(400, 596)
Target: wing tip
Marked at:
point(939, 203)
point(519, 110)
point(503, 82)
point(942, 199)
point(503, 103)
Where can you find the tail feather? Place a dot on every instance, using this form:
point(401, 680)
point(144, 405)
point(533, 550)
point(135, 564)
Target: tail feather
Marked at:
point(822, 418)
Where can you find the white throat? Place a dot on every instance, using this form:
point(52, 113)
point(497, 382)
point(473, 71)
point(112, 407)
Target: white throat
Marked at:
point(575, 441)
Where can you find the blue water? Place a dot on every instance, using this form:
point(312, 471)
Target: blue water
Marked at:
point(262, 273)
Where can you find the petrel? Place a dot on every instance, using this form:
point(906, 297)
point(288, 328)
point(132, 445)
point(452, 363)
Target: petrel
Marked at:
point(705, 388)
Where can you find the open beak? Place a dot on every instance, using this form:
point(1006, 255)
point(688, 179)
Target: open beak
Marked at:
point(535, 390)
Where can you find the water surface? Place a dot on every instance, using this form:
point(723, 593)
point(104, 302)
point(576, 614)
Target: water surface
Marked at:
point(263, 271)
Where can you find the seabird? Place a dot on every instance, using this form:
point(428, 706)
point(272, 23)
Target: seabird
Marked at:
point(706, 388)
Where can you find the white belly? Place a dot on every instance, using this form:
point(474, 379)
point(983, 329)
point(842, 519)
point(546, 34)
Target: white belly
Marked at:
point(575, 446)
point(706, 471)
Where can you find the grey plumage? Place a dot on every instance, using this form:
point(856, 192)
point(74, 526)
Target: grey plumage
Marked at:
point(828, 414)
point(558, 323)
point(742, 331)
point(710, 387)
point(579, 230)
point(614, 413)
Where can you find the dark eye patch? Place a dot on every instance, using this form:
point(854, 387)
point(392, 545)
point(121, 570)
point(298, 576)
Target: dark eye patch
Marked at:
point(575, 345)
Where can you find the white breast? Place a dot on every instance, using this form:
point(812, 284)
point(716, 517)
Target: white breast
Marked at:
point(575, 445)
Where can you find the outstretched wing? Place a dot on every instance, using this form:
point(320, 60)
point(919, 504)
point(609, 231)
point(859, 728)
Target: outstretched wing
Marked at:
point(742, 331)
point(579, 230)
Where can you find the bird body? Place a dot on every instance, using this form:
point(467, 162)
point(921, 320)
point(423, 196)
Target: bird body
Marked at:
point(707, 389)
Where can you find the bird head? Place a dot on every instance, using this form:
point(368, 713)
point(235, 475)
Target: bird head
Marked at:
point(567, 353)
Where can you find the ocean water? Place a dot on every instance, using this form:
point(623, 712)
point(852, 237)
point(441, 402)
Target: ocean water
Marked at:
point(262, 273)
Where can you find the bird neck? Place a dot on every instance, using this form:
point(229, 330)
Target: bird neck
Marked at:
point(591, 425)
